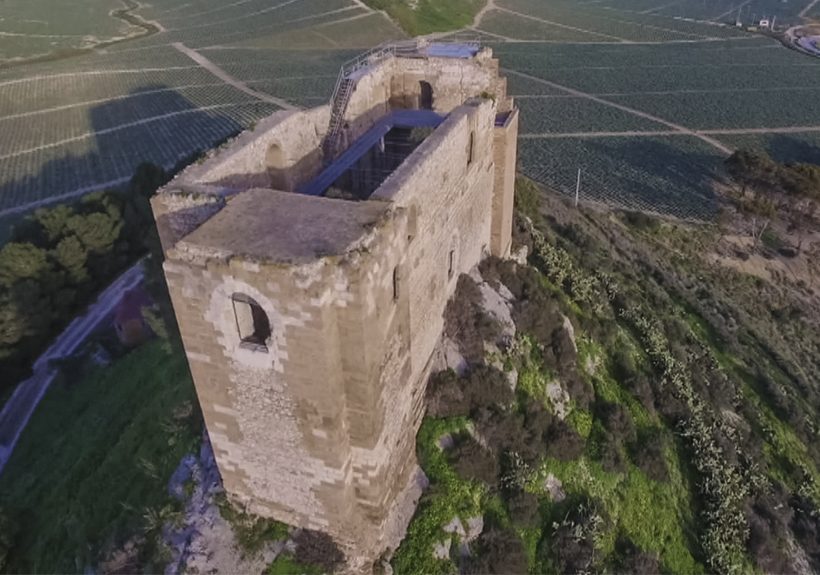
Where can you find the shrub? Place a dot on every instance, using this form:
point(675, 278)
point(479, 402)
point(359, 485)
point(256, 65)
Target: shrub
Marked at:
point(641, 221)
point(647, 453)
point(317, 548)
point(498, 551)
point(252, 532)
point(483, 387)
point(466, 322)
point(474, 462)
point(564, 443)
point(523, 508)
point(571, 545)
point(445, 397)
point(632, 561)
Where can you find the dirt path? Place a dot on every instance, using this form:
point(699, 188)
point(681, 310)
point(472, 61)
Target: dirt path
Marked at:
point(807, 9)
point(490, 5)
point(677, 127)
point(228, 79)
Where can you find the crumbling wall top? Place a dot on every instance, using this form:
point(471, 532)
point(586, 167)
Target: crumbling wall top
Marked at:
point(281, 227)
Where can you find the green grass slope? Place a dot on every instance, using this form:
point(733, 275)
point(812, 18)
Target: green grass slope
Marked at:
point(418, 17)
point(675, 433)
point(93, 464)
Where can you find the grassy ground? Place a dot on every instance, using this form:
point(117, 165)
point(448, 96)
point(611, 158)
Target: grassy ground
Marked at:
point(427, 16)
point(95, 459)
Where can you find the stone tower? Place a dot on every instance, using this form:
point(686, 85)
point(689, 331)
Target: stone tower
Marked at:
point(309, 262)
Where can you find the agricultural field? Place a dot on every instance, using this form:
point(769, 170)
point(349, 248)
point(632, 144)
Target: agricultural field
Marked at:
point(660, 174)
point(726, 11)
point(649, 124)
point(38, 28)
point(83, 122)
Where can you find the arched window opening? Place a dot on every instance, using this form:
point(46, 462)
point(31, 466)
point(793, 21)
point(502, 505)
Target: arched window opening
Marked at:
point(426, 97)
point(252, 322)
point(275, 158)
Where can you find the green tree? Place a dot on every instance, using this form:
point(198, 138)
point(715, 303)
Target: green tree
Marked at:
point(757, 175)
point(13, 325)
point(21, 261)
point(72, 257)
point(96, 231)
point(53, 221)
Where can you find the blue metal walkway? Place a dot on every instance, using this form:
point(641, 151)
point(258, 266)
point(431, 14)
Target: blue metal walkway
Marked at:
point(397, 118)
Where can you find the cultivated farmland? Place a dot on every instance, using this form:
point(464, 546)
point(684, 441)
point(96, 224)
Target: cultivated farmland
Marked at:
point(619, 88)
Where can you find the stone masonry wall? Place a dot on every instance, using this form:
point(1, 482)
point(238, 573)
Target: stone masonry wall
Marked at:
point(318, 430)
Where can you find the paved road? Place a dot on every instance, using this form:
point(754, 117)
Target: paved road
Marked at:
point(17, 411)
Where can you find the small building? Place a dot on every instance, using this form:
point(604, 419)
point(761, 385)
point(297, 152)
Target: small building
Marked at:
point(309, 262)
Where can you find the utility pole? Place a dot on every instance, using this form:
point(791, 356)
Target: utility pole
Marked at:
point(577, 187)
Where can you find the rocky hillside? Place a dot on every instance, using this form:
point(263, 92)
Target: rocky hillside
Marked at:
point(635, 395)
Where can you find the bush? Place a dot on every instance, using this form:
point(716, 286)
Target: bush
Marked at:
point(498, 551)
point(473, 462)
point(647, 453)
point(252, 532)
point(564, 443)
point(571, 545)
point(523, 508)
point(641, 221)
point(317, 548)
point(445, 397)
point(483, 387)
point(466, 322)
point(632, 561)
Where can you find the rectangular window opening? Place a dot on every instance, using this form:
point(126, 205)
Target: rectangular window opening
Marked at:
point(470, 149)
point(395, 283)
point(451, 264)
point(252, 322)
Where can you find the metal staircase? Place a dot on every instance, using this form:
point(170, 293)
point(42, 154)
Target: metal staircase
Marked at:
point(346, 83)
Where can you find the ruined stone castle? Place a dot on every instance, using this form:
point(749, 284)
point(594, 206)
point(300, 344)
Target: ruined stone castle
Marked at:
point(309, 263)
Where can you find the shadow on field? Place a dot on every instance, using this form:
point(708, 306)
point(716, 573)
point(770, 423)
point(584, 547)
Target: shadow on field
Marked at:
point(784, 148)
point(57, 262)
point(153, 123)
point(669, 179)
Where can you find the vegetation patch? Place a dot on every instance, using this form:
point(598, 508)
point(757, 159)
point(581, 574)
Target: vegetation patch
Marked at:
point(419, 17)
point(252, 532)
point(91, 468)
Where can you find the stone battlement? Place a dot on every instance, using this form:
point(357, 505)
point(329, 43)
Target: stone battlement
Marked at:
point(309, 282)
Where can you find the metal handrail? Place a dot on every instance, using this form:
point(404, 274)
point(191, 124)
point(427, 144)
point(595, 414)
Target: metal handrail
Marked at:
point(375, 55)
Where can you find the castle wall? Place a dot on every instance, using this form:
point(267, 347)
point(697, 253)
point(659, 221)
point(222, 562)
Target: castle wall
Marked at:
point(280, 153)
point(318, 427)
point(450, 202)
point(274, 418)
point(505, 139)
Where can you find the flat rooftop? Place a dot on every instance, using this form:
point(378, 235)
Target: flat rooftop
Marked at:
point(283, 227)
